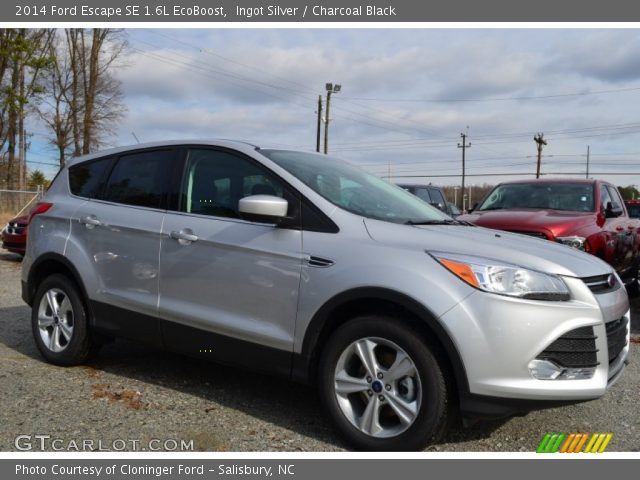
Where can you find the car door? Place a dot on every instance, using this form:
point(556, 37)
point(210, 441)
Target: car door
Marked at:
point(625, 230)
point(228, 286)
point(120, 233)
point(614, 232)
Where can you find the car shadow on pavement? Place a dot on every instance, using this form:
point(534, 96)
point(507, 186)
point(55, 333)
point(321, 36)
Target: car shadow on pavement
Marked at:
point(271, 399)
point(10, 257)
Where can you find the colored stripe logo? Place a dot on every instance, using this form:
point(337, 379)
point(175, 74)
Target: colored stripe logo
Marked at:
point(574, 442)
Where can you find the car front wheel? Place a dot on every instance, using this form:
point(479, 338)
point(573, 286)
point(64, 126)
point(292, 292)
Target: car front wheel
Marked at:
point(382, 385)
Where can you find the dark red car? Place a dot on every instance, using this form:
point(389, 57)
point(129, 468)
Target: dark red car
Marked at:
point(586, 214)
point(633, 208)
point(14, 235)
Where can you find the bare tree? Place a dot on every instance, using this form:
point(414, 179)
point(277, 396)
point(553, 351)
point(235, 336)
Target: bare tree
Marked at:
point(23, 57)
point(85, 99)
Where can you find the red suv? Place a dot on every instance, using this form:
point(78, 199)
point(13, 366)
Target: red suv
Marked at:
point(585, 214)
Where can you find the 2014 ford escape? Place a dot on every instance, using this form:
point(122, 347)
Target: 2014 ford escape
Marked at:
point(303, 265)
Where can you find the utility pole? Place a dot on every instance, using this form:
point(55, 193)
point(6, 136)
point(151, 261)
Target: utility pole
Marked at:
point(587, 161)
point(540, 141)
point(319, 123)
point(464, 145)
point(331, 88)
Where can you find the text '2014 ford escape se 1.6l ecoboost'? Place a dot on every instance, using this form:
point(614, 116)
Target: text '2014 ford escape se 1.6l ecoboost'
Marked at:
point(303, 265)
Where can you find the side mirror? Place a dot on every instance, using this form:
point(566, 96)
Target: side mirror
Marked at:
point(263, 208)
point(438, 205)
point(613, 210)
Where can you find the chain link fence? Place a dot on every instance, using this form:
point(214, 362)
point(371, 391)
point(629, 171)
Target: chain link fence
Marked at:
point(16, 202)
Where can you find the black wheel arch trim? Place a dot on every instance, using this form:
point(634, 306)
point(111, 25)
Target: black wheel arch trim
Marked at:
point(29, 290)
point(304, 363)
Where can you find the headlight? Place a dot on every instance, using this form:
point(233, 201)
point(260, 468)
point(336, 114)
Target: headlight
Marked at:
point(573, 241)
point(503, 278)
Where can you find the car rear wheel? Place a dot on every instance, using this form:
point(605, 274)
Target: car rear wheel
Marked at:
point(60, 323)
point(382, 385)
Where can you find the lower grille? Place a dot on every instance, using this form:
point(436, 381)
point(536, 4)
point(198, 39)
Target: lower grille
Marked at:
point(574, 349)
point(616, 337)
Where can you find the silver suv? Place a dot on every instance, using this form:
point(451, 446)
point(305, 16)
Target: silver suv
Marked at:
point(302, 265)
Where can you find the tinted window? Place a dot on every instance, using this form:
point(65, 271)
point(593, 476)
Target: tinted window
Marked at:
point(87, 179)
point(437, 197)
point(215, 182)
point(140, 179)
point(634, 210)
point(423, 193)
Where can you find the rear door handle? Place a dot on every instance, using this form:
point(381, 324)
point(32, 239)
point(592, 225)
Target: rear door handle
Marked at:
point(90, 221)
point(184, 236)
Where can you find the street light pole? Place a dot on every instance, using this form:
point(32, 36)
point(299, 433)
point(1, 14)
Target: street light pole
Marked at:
point(331, 88)
point(319, 123)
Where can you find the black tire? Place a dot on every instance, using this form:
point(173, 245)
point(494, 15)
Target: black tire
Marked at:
point(432, 417)
point(633, 288)
point(80, 345)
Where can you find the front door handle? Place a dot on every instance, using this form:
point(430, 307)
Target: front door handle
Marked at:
point(184, 236)
point(90, 221)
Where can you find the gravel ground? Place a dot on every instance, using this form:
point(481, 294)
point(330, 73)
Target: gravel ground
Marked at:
point(136, 394)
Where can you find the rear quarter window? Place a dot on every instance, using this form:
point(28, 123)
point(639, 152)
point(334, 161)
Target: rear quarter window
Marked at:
point(87, 179)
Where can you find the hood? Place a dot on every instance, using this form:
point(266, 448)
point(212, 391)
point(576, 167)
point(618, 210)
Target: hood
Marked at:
point(555, 222)
point(528, 252)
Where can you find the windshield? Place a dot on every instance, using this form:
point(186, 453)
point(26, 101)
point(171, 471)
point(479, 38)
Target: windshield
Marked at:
point(355, 190)
point(575, 197)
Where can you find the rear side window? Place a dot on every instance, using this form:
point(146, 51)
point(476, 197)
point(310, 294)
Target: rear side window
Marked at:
point(141, 179)
point(87, 179)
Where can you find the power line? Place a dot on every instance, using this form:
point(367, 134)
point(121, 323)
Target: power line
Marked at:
point(499, 99)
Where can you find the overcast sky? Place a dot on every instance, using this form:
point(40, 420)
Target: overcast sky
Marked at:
point(406, 96)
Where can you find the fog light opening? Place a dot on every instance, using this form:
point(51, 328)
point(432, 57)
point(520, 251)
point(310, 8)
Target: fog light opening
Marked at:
point(546, 370)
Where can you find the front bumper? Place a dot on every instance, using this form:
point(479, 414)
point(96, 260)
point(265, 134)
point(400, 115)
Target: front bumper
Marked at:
point(498, 336)
point(14, 243)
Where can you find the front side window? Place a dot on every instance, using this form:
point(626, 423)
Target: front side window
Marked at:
point(615, 197)
point(215, 181)
point(141, 179)
point(605, 198)
point(437, 197)
point(575, 197)
point(355, 190)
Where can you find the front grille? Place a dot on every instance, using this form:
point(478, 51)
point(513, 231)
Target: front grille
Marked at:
point(616, 337)
point(532, 234)
point(574, 349)
point(600, 283)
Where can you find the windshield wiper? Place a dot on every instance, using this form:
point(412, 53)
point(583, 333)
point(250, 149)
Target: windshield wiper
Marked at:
point(433, 222)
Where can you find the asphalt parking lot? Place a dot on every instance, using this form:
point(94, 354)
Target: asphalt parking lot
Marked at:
point(134, 397)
